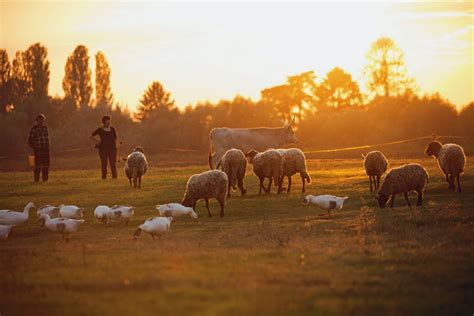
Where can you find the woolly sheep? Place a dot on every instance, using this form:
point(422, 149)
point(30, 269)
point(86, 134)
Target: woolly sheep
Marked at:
point(375, 164)
point(136, 166)
point(451, 160)
point(267, 164)
point(206, 185)
point(294, 161)
point(234, 164)
point(409, 177)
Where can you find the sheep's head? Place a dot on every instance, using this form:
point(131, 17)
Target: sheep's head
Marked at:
point(382, 198)
point(433, 148)
point(138, 148)
point(188, 201)
point(251, 155)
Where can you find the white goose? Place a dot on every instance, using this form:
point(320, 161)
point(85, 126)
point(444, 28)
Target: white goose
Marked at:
point(155, 226)
point(71, 211)
point(119, 213)
point(52, 211)
point(326, 201)
point(4, 231)
point(175, 210)
point(100, 213)
point(15, 218)
point(65, 226)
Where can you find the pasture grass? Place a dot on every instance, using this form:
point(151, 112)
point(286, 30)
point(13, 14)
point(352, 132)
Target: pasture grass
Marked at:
point(269, 255)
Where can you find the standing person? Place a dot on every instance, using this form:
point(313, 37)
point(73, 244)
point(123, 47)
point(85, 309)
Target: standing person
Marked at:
point(38, 139)
point(107, 146)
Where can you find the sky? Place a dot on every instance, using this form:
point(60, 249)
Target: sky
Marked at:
point(215, 50)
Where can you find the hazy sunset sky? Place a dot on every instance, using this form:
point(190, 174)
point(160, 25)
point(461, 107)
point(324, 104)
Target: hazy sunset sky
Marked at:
point(212, 50)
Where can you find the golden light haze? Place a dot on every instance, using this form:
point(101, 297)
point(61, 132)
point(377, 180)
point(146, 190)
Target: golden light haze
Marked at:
point(213, 50)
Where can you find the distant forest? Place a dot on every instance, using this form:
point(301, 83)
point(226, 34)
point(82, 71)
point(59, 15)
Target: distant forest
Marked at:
point(330, 110)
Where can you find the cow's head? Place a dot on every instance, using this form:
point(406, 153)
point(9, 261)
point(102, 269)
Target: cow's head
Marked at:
point(288, 134)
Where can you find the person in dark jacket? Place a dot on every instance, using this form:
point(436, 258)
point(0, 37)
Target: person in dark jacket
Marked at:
point(38, 139)
point(107, 144)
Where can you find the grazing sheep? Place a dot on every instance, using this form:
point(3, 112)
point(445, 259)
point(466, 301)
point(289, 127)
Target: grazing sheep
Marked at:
point(206, 185)
point(375, 164)
point(294, 161)
point(234, 164)
point(451, 160)
point(136, 166)
point(409, 177)
point(267, 164)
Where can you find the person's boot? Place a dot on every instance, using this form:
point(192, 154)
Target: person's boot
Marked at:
point(36, 174)
point(45, 173)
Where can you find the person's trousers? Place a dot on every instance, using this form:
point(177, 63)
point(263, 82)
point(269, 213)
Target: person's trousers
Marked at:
point(108, 154)
point(41, 163)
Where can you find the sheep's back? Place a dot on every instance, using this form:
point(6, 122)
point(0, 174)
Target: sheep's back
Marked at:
point(375, 163)
point(294, 161)
point(404, 179)
point(136, 159)
point(209, 184)
point(451, 159)
point(268, 163)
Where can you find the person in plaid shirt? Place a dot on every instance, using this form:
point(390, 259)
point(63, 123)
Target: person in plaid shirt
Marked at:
point(38, 139)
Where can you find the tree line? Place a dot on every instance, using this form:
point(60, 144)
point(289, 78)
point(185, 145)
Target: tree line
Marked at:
point(330, 110)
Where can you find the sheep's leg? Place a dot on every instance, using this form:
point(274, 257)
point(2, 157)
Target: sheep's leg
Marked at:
point(269, 185)
point(459, 184)
point(289, 183)
point(451, 182)
point(240, 181)
point(370, 180)
point(221, 203)
point(139, 181)
point(130, 180)
point(406, 198)
point(207, 207)
point(261, 185)
point(419, 202)
point(228, 190)
point(377, 184)
point(393, 200)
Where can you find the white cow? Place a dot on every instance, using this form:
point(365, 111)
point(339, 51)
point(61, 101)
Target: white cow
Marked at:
point(260, 139)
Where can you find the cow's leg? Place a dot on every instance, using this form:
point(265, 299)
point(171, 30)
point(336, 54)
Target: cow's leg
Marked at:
point(289, 184)
point(406, 198)
point(207, 207)
point(459, 184)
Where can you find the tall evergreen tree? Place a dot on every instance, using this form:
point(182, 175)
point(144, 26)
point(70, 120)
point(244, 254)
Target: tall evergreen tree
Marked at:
point(19, 86)
point(77, 77)
point(36, 66)
point(155, 101)
point(103, 94)
point(5, 82)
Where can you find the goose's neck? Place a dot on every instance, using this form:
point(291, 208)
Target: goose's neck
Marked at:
point(26, 210)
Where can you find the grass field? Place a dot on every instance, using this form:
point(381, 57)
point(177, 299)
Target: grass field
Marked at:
point(268, 256)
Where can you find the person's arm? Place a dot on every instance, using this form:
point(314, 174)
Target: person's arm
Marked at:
point(31, 136)
point(93, 136)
